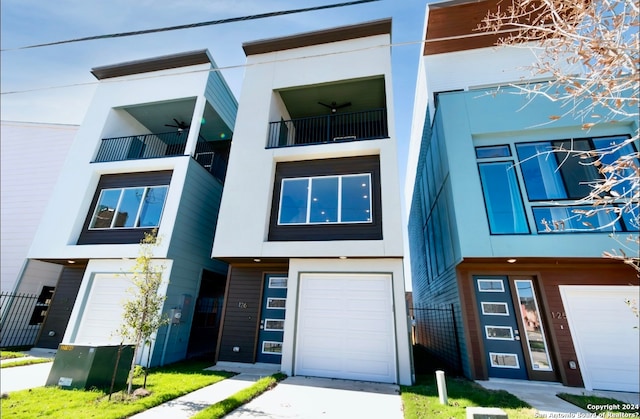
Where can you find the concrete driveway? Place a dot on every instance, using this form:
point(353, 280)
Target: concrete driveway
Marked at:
point(308, 397)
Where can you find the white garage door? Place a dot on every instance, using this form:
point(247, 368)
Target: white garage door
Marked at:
point(345, 327)
point(605, 334)
point(102, 314)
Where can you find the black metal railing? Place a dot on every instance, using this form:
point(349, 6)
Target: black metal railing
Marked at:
point(436, 331)
point(21, 319)
point(212, 158)
point(353, 126)
point(144, 146)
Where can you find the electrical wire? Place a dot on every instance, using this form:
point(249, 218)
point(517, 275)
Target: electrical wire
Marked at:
point(215, 69)
point(194, 25)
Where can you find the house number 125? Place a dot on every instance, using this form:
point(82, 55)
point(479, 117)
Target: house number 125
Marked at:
point(558, 314)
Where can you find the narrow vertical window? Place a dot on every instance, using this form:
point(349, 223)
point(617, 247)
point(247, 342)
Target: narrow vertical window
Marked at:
point(502, 198)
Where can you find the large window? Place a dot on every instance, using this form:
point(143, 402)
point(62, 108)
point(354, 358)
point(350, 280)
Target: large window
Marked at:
point(139, 207)
point(326, 199)
point(552, 176)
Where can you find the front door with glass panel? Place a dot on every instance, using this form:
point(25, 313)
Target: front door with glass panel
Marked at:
point(512, 328)
point(271, 332)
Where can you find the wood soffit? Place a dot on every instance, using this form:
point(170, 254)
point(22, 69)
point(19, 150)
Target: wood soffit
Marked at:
point(453, 27)
point(165, 62)
point(362, 30)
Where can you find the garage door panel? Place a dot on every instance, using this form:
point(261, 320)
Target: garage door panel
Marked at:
point(103, 309)
point(346, 327)
point(604, 334)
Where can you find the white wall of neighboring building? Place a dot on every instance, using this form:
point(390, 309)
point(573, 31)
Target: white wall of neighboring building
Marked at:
point(64, 217)
point(243, 231)
point(33, 155)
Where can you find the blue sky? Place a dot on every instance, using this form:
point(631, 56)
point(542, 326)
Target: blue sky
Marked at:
point(43, 70)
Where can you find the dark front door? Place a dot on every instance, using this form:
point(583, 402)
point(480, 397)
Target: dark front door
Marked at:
point(501, 336)
point(274, 299)
point(513, 329)
point(206, 317)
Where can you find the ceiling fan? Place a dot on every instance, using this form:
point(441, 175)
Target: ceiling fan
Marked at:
point(181, 125)
point(334, 107)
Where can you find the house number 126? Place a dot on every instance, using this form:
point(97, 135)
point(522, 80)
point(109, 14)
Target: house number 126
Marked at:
point(242, 304)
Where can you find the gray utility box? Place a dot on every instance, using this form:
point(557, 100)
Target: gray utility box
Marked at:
point(84, 367)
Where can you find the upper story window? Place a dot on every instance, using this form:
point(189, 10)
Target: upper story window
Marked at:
point(129, 207)
point(125, 206)
point(549, 172)
point(326, 199)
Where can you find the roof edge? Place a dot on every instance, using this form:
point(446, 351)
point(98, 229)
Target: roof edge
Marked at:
point(165, 62)
point(342, 33)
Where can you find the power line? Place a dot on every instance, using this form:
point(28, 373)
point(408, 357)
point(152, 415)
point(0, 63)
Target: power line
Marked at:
point(194, 25)
point(216, 69)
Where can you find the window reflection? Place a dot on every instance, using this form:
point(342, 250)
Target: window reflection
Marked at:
point(129, 207)
point(536, 342)
point(326, 199)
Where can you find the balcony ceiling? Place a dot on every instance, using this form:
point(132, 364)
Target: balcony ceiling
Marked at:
point(155, 117)
point(364, 94)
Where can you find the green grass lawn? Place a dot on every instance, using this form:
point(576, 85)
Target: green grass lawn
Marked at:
point(165, 383)
point(22, 362)
point(421, 400)
point(10, 354)
point(228, 405)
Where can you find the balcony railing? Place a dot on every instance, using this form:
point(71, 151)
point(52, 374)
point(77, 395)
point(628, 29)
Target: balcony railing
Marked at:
point(354, 126)
point(167, 144)
point(144, 146)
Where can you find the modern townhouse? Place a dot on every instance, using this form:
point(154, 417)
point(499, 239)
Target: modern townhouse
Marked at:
point(532, 300)
point(310, 219)
point(151, 154)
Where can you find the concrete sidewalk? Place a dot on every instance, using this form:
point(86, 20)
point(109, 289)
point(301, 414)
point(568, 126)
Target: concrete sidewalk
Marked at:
point(26, 376)
point(310, 398)
point(541, 395)
point(191, 403)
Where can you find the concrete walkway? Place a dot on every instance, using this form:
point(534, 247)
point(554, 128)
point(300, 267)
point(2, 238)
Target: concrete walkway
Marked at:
point(542, 395)
point(315, 398)
point(26, 376)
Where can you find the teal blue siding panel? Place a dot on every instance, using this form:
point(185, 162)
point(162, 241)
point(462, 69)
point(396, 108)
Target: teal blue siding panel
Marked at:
point(221, 98)
point(190, 250)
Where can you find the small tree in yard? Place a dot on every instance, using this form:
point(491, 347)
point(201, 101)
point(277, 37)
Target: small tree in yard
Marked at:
point(598, 40)
point(142, 315)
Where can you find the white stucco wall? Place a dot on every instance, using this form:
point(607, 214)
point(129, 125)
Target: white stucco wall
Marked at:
point(33, 155)
point(65, 213)
point(244, 214)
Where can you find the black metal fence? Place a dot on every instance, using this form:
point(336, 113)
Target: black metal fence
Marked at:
point(436, 331)
point(21, 319)
point(352, 126)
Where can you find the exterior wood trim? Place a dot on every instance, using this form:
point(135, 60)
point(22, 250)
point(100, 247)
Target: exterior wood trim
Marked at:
point(240, 325)
point(120, 235)
point(324, 232)
point(165, 62)
point(376, 27)
point(453, 28)
point(59, 310)
point(549, 275)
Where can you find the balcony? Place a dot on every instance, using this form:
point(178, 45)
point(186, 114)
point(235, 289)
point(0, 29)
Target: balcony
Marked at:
point(335, 127)
point(146, 146)
point(212, 155)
